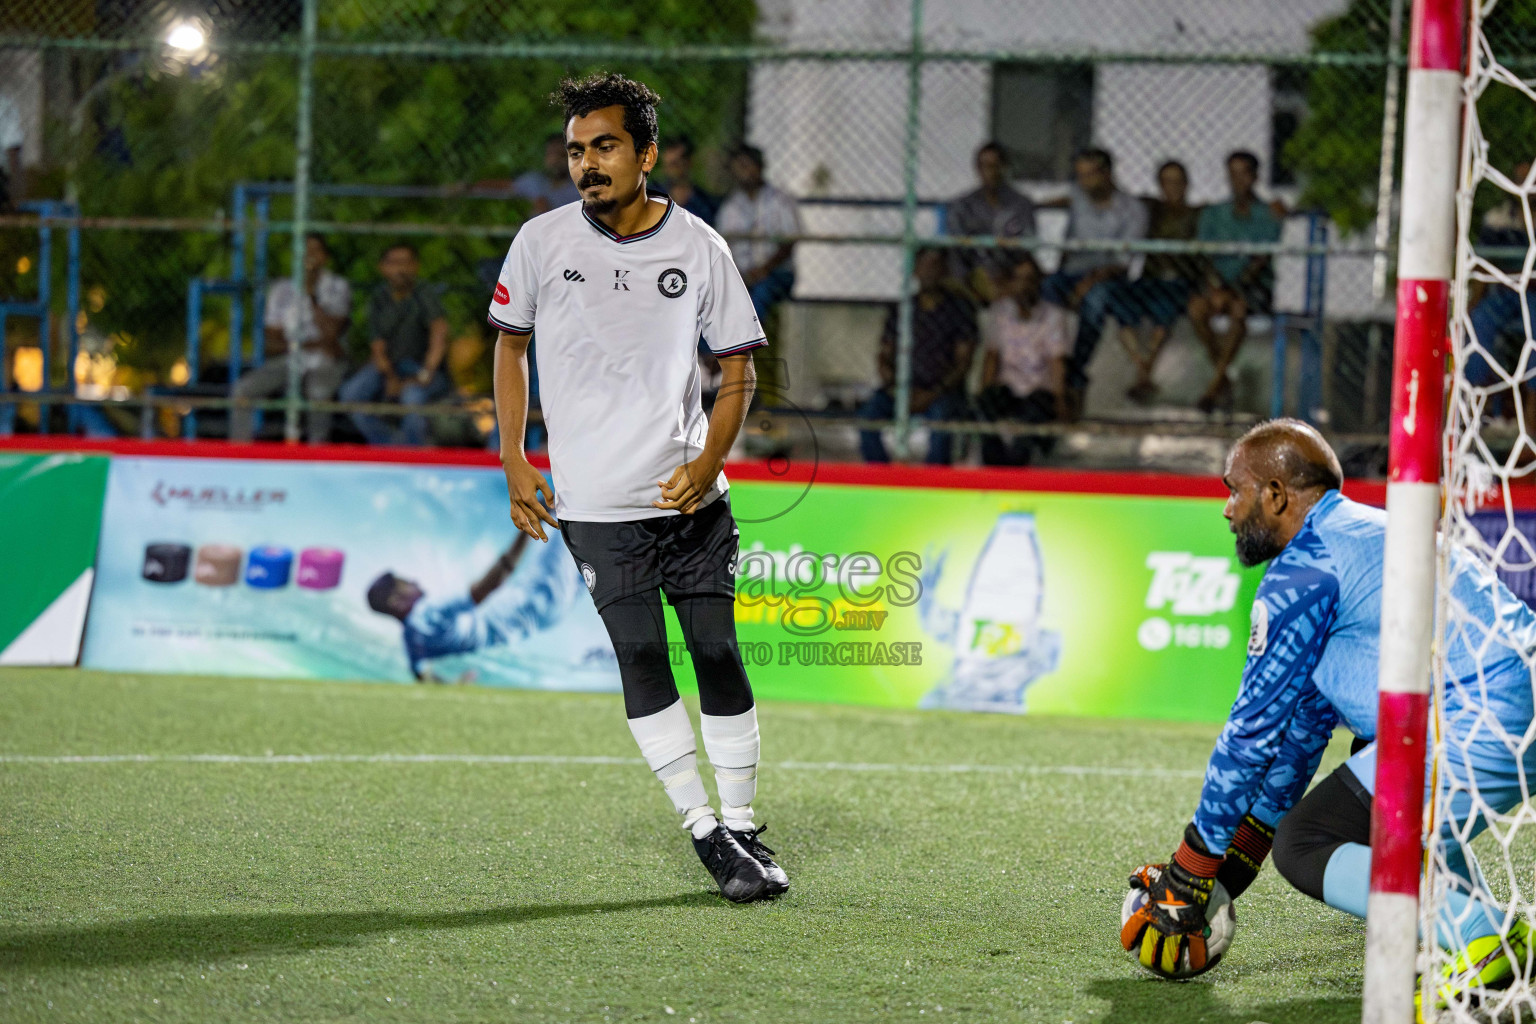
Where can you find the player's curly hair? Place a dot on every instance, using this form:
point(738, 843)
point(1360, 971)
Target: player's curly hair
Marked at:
point(578, 97)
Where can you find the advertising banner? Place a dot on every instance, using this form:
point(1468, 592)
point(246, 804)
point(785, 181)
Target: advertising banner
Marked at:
point(50, 515)
point(992, 600)
point(335, 571)
point(897, 596)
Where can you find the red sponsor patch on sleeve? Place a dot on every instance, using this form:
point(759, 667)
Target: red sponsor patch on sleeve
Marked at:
point(502, 296)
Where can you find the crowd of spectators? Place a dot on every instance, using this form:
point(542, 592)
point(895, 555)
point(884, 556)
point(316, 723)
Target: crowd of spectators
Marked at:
point(407, 329)
point(995, 339)
point(1039, 332)
point(407, 333)
point(1035, 333)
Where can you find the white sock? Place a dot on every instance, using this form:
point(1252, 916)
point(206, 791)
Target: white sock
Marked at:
point(666, 742)
point(733, 746)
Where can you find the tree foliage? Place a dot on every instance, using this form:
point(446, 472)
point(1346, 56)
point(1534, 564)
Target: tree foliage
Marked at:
point(1337, 149)
point(168, 143)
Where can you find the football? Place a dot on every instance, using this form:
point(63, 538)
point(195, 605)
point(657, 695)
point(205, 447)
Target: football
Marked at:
point(1221, 924)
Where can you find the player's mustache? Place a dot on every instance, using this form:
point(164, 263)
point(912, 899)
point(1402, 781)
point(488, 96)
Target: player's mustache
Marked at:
point(593, 178)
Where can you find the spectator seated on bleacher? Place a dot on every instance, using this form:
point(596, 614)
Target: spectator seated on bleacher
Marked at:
point(749, 219)
point(550, 186)
point(1024, 369)
point(677, 163)
point(314, 343)
point(943, 343)
point(1235, 286)
point(995, 208)
point(408, 340)
point(1497, 316)
point(1167, 280)
point(1093, 283)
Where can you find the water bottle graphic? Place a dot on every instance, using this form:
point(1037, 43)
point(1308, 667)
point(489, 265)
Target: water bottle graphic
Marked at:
point(1000, 647)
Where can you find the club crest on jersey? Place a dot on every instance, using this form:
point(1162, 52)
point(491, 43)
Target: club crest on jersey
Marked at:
point(672, 282)
point(588, 576)
point(1258, 628)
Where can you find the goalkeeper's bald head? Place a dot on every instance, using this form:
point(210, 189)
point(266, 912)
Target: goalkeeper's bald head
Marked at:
point(1275, 473)
point(1291, 451)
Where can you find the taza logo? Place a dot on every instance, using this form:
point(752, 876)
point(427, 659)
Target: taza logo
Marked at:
point(1191, 585)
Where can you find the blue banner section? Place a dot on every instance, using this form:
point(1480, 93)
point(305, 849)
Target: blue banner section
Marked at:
point(1516, 564)
point(340, 571)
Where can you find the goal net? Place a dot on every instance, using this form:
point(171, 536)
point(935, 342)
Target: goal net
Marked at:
point(1480, 834)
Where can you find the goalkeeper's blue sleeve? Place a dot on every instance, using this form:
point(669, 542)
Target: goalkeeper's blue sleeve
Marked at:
point(1310, 730)
point(1278, 712)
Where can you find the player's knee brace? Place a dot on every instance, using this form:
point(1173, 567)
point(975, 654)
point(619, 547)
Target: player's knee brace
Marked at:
point(1332, 814)
point(709, 629)
point(638, 629)
point(734, 749)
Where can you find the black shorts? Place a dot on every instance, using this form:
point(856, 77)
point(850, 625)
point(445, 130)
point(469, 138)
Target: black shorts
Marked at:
point(683, 555)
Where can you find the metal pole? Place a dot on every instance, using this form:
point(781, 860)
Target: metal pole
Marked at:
point(908, 232)
point(45, 314)
point(72, 315)
point(300, 214)
point(1388, 154)
point(1426, 247)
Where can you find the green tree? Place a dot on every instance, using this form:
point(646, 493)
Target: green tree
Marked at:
point(174, 144)
point(1337, 149)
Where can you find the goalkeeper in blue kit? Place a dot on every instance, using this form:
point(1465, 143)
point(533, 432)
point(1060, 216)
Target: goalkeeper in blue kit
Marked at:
point(1312, 665)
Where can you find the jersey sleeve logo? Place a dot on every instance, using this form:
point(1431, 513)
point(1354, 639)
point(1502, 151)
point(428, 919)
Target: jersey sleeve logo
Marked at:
point(502, 296)
point(1258, 628)
point(672, 282)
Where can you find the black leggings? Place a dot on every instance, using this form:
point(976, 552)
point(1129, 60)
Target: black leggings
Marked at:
point(1337, 811)
point(638, 628)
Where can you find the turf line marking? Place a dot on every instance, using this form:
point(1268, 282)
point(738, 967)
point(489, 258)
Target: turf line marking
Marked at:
point(560, 759)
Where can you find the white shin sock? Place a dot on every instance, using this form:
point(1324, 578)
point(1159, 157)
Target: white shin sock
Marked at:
point(667, 743)
point(733, 746)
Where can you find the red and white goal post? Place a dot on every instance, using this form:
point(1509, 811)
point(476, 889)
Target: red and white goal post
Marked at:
point(1462, 399)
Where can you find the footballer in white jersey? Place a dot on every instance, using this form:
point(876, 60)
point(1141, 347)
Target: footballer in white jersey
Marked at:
point(619, 289)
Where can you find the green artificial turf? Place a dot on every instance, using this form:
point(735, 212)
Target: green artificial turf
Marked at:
point(986, 889)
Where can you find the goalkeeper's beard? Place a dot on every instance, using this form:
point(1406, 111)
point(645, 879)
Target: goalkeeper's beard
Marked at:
point(1256, 543)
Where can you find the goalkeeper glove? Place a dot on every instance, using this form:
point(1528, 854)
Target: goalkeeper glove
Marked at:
point(1173, 917)
point(1245, 856)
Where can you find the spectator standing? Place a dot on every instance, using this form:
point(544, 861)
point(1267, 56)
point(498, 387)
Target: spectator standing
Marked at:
point(677, 161)
point(1024, 370)
point(314, 343)
point(943, 342)
point(1089, 282)
point(749, 218)
point(1167, 280)
point(994, 208)
point(408, 341)
point(551, 186)
point(1236, 286)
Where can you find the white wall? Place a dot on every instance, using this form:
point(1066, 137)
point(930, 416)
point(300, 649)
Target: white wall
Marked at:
point(838, 128)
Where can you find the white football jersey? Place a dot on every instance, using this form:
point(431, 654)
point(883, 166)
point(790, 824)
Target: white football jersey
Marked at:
point(617, 322)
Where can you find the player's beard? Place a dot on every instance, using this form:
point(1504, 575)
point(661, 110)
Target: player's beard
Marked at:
point(1256, 543)
point(596, 207)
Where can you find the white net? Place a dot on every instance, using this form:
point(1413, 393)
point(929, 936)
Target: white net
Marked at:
point(1480, 891)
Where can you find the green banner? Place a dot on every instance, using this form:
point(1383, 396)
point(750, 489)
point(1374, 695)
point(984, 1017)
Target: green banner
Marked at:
point(987, 600)
point(50, 517)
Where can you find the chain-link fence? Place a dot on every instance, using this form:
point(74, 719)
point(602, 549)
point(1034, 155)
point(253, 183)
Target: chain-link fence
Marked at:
point(1015, 218)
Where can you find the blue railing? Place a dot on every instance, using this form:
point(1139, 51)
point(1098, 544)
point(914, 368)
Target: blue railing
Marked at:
point(41, 307)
